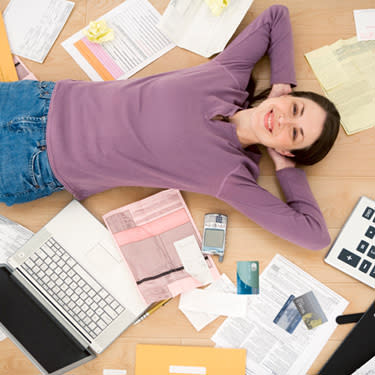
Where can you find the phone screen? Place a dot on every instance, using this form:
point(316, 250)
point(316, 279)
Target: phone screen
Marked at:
point(214, 237)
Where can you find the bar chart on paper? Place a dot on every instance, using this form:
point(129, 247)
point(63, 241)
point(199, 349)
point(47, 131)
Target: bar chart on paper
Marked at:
point(137, 42)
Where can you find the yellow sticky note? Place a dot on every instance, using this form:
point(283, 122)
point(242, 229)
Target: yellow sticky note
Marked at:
point(217, 6)
point(98, 32)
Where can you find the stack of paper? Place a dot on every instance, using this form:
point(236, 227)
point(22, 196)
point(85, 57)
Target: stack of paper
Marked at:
point(345, 70)
point(33, 26)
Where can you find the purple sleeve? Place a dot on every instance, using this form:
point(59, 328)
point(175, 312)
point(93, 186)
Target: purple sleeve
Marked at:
point(270, 33)
point(298, 220)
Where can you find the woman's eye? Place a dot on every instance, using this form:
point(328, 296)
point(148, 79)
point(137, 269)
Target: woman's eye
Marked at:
point(294, 134)
point(295, 109)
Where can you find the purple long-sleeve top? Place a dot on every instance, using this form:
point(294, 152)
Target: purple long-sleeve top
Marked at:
point(159, 131)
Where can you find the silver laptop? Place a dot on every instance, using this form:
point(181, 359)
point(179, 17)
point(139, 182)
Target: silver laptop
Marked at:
point(353, 251)
point(67, 293)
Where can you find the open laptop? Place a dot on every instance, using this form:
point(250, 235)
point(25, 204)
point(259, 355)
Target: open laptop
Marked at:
point(357, 348)
point(67, 293)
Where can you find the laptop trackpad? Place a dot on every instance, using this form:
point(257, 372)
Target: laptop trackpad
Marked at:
point(34, 328)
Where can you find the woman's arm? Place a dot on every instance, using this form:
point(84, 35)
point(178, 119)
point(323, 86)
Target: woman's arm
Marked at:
point(298, 220)
point(270, 33)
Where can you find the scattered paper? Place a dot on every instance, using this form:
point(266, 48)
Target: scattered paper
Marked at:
point(192, 259)
point(217, 303)
point(367, 369)
point(365, 23)
point(191, 24)
point(188, 370)
point(33, 26)
point(12, 237)
point(200, 319)
point(114, 372)
point(270, 349)
point(345, 71)
point(137, 42)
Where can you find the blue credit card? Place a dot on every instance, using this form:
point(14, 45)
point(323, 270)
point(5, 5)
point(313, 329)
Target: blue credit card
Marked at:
point(247, 277)
point(288, 317)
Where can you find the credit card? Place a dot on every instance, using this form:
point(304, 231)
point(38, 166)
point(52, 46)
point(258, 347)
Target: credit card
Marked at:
point(310, 310)
point(247, 277)
point(288, 317)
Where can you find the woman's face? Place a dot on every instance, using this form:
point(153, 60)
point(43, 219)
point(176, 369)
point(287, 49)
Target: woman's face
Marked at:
point(287, 123)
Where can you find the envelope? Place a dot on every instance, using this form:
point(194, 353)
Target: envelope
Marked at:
point(7, 68)
point(189, 360)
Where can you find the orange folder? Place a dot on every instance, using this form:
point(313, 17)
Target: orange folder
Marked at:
point(7, 69)
point(189, 360)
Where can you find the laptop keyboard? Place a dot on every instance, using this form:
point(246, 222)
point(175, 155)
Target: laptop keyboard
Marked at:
point(354, 247)
point(76, 293)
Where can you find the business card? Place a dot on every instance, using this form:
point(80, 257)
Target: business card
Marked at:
point(247, 277)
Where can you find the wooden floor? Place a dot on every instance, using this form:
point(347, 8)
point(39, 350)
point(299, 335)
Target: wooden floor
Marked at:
point(337, 182)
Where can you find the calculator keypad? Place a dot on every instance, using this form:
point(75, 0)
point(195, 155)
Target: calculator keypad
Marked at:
point(355, 259)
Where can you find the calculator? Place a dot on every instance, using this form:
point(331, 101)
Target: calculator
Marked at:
point(353, 251)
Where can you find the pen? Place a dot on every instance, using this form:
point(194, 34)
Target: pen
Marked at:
point(152, 310)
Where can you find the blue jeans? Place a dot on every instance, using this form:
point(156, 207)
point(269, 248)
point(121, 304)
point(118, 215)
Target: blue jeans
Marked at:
point(25, 173)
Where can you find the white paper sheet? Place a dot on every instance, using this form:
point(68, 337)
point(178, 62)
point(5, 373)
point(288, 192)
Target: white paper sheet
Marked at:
point(193, 260)
point(270, 349)
point(137, 41)
point(365, 23)
point(12, 237)
point(367, 369)
point(114, 372)
point(33, 26)
point(191, 24)
point(217, 303)
point(200, 319)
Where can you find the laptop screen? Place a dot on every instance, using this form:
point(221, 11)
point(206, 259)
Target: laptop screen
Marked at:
point(34, 328)
point(357, 348)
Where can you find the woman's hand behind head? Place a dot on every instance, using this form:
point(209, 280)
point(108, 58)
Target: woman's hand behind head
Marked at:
point(280, 89)
point(279, 160)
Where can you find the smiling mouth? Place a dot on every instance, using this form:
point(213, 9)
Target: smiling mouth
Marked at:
point(268, 121)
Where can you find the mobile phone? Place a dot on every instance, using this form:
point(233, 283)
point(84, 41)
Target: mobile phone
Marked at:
point(214, 233)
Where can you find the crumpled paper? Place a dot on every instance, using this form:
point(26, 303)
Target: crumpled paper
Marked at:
point(99, 32)
point(217, 6)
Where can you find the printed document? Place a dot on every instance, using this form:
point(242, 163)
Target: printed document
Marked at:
point(33, 26)
point(137, 42)
point(12, 237)
point(191, 24)
point(345, 71)
point(365, 23)
point(270, 349)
